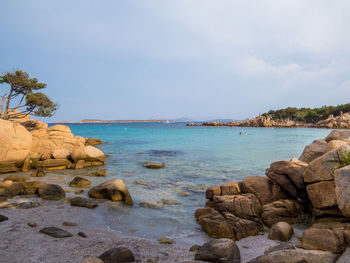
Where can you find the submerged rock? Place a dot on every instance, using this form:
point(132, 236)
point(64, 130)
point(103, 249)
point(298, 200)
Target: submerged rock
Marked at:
point(165, 240)
point(83, 202)
point(152, 165)
point(38, 173)
point(51, 192)
point(26, 205)
point(55, 232)
point(118, 254)
point(16, 178)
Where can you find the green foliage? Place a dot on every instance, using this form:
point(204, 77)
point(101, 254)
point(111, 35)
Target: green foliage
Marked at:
point(307, 114)
point(40, 105)
point(344, 158)
point(22, 97)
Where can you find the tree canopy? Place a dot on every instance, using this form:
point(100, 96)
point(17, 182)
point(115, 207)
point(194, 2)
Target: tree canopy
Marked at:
point(311, 115)
point(21, 97)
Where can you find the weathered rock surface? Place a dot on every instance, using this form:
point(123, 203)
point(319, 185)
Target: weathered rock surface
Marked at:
point(244, 205)
point(114, 190)
point(296, 256)
point(219, 250)
point(79, 182)
point(263, 188)
point(314, 150)
point(322, 194)
point(342, 189)
point(323, 239)
point(226, 225)
point(321, 169)
point(55, 232)
point(281, 231)
point(92, 141)
point(281, 211)
point(342, 135)
point(118, 254)
point(15, 144)
point(30, 143)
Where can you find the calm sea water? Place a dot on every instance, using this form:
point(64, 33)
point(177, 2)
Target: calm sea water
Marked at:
point(195, 157)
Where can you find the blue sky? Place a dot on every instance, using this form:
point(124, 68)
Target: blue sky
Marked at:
point(200, 59)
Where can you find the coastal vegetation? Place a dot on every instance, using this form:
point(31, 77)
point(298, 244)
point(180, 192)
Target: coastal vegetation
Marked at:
point(22, 98)
point(310, 115)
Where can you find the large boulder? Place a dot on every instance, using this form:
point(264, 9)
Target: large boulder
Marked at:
point(342, 189)
point(322, 194)
point(15, 144)
point(293, 169)
point(219, 250)
point(263, 188)
point(343, 135)
point(114, 190)
point(296, 256)
point(323, 239)
point(322, 168)
point(244, 205)
point(281, 211)
point(226, 225)
point(314, 150)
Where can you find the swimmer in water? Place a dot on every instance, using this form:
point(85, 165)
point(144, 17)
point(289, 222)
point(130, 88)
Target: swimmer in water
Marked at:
point(240, 133)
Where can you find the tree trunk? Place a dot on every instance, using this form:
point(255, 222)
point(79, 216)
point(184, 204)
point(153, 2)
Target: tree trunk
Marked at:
point(2, 105)
point(8, 104)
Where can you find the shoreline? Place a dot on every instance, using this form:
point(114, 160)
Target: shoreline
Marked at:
point(37, 247)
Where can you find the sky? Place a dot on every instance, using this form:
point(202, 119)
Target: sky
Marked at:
point(200, 59)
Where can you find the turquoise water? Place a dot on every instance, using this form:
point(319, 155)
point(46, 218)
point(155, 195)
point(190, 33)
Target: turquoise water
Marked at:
point(195, 157)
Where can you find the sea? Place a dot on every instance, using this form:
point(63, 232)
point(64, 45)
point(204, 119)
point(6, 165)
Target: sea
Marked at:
point(194, 157)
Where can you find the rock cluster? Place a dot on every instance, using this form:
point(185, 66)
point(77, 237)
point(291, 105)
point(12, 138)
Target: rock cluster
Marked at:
point(314, 188)
point(31, 144)
point(332, 122)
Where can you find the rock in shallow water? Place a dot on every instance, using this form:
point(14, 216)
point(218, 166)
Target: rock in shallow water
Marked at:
point(83, 202)
point(26, 205)
point(114, 190)
point(55, 232)
point(118, 254)
point(219, 250)
point(152, 165)
point(51, 192)
point(165, 240)
point(79, 182)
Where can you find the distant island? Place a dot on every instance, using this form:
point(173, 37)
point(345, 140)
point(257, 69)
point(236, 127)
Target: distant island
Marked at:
point(114, 121)
point(331, 117)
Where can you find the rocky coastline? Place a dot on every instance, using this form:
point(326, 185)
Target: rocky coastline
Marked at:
point(298, 212)
point(332, 122)
point(313, 190)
